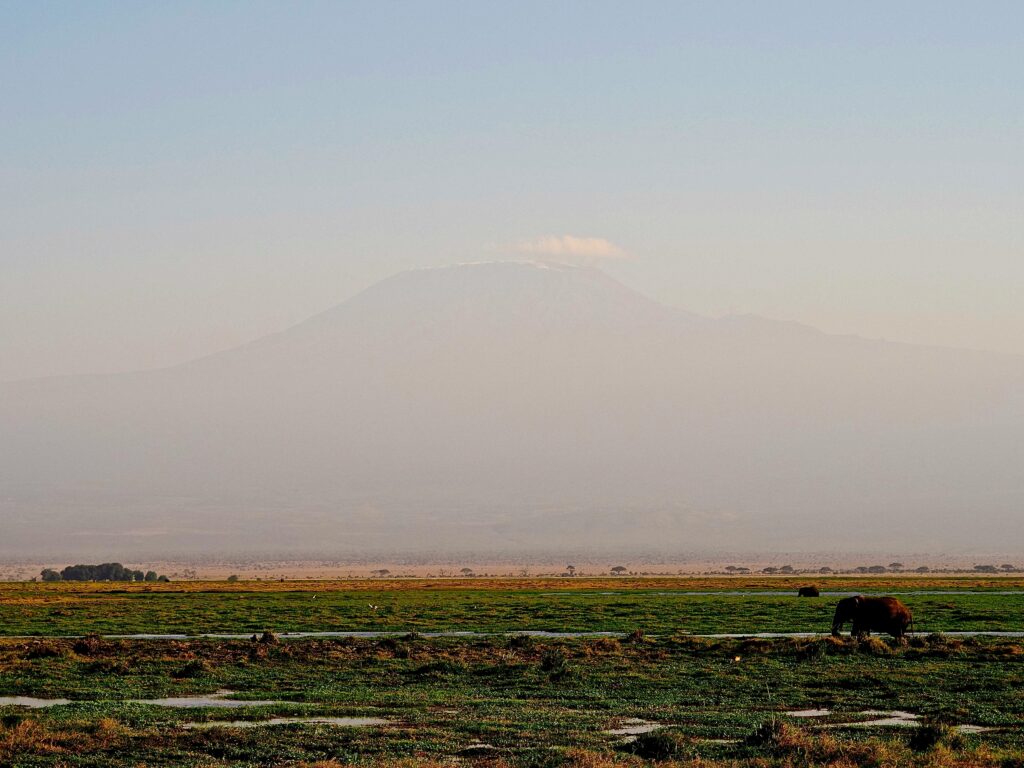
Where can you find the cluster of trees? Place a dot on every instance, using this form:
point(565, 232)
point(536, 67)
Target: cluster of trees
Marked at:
point(876, 569)
point(783, 569)
point(101, 572)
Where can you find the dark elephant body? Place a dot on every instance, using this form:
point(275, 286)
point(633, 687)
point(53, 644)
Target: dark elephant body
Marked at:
point(809, 592)
point(878, 614)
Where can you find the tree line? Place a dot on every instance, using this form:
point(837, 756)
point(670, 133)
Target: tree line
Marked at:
point(101, 572)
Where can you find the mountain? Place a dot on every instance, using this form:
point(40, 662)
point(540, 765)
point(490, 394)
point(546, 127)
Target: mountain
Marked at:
point(514, 407)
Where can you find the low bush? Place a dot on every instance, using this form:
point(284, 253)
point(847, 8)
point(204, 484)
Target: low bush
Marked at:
point(660, 745)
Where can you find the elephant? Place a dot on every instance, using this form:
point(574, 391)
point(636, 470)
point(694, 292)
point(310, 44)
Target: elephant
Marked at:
point(882, 614)
point(809, 592)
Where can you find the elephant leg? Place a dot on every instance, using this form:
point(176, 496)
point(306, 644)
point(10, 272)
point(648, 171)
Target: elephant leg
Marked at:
point(860, 630)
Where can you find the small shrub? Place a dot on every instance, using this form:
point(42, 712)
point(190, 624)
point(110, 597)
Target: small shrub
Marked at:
point(393, 647)
point(604, 645)
point(194, 668)
point(89, 645)
point(811, 650)
point(834, 644)
point(44, 649)
point(874, 646)
point(555, 664)
point(521, 642)
point(552, 659)
point(778, 736)
point(934, 734)
point(660, 745)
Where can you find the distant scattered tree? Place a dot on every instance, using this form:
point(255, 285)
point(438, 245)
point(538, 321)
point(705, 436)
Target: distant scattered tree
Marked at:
point(163, 579)
point(825, 569)
point(922, 569)
point(381, 572)
point(571, 570)
point(49, 574)
point(985, 568)
point(1007, 567)
point(786, 569)
point(861, 569)
point(466, 571)
point(742, 569)
point(233, 578)
point(877, 569)
point(731, 569)
point(101, 572)
point(770, 569)
point(618, 570)
point(151, 576)
point(896, 566)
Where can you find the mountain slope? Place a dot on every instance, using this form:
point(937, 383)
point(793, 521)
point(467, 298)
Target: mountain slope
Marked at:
point(518, 406)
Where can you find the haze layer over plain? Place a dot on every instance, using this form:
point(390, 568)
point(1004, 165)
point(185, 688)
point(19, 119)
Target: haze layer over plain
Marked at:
point(522, 407)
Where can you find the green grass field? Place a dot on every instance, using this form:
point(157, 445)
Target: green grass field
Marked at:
point(507, 701)
point(662, 608)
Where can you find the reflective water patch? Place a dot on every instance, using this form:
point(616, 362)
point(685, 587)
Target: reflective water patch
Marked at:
point(344, 722)
point(31, 702)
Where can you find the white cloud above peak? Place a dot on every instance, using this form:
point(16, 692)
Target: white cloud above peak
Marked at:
point(572, 249)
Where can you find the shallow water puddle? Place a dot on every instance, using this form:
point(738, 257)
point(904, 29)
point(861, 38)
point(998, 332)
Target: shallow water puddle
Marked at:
point(345, 722)
point(216, 700)
point(810, 713)
point(31, 702)
point(880, 719)
point(634, 727)
point(897, 718)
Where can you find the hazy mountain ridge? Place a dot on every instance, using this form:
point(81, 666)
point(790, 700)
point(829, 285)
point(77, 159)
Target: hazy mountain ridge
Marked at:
point(515, 404)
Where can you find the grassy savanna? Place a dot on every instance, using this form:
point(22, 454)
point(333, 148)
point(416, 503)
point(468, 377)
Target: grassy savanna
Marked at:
point(531, 702)
point(655, 606)
point(508, 701)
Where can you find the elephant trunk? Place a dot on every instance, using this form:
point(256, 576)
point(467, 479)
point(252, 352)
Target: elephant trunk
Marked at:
point(837, 624)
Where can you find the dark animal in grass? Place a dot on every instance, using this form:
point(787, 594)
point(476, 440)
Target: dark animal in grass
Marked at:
point(809, 592)
point(868, 614)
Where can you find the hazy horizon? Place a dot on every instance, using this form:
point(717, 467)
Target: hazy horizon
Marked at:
point(520, 406)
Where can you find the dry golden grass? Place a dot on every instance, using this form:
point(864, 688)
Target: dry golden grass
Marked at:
point(30, 737)
point(784, 746)
point(28, 593)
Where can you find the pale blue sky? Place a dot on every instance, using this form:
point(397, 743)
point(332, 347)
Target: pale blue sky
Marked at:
point(181, 177)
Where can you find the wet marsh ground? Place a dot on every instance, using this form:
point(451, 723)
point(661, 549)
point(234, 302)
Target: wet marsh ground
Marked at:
point(503, 701)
